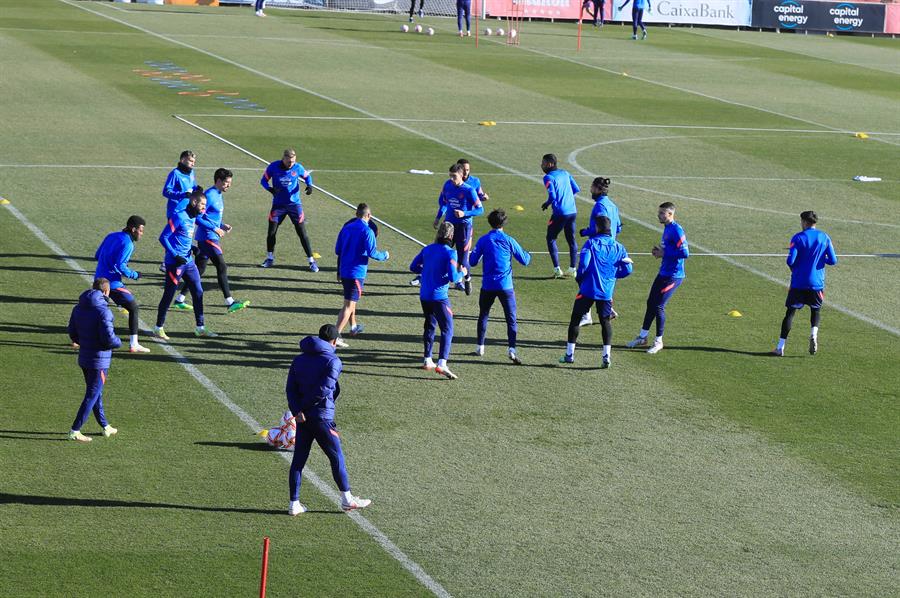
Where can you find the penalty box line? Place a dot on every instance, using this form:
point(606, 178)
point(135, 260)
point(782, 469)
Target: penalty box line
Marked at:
point(222, 397)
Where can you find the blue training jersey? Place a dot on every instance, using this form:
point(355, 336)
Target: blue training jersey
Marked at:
point(498, 250)
point(475, 183)
point(437, 265)
point(285, 182)
point(561, 190)
point(211, 219)
point(604, 206)
point(355, 245)
point(176, 189)
point(112, 259)
point(177, 237)
point(463, 198)
point(600, 263)
point(675, 250)
point(810, 251)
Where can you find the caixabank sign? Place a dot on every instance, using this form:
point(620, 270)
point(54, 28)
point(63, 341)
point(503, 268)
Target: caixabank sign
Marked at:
point(818, 16)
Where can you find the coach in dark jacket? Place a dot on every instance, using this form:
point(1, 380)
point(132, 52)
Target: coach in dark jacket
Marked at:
point(312, 388)
point(91, 328)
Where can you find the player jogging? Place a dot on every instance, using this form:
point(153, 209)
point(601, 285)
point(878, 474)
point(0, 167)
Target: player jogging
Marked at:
point(282, 180)
point(810, 251)
point(312, 389)
point(464, 11)
point(601, 262)
point(637, 16)
point(176, 238)
point(457, 204)
point(603, 206)
point(561, 190)
point(112, 264)
point(437, 266)
point(498, 249)
point(180, 182)
point(210, 229)
point(355, 245)
point(672, 251)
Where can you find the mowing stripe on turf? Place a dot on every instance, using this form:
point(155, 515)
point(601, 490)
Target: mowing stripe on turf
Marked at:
point(270, 77)
point(220, 395)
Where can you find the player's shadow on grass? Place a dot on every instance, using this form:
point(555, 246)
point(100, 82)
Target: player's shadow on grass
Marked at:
point(36, 299)
point(19, 328)
point(247, 446)
point(62, 501)
point(718, 350)
point(33, 435)
point(49, 256)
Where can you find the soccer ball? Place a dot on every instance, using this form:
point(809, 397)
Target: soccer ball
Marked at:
point(418, 29)
point(405, 28)
point(512, 33)
point(430, 31)
point(489, 31)
point(500, 31)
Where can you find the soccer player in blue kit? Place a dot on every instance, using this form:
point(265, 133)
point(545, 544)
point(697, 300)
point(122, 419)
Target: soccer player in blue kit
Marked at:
point(809, 252)
point(176, 238)
point(437, 266)
point(282, 179)
point(180, 182)
point(637, 16)
point(354, 247)
point(112, 264)
point(602, 260)
point(672, 251)
point(603, 206)
point(457, 204)
point(471, 180)
point(561, 190)
point(312, 389)
point(498, 250)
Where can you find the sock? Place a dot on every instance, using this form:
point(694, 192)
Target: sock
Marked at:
point(643, 333)
point(481, 348)
point(311, 259)
point(442, 363)
point(132, 340)
point(270, 255)
point(180, 298)
point(658, 339)
point(814, 333)
point(346, 496)
point(570, 348)
point(781, 342)
point(511, 350)
point(429, 360)
point(229, 301)
point(607, 349)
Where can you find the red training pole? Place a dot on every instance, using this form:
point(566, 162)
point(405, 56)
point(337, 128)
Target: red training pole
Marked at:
point(476, 23)
point(265, 568)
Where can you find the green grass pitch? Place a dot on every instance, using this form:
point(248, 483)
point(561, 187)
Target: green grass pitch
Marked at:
point(708, 469)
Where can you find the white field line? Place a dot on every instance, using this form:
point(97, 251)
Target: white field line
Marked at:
point(254, 425)
point(572, 158)
point(297, 117)
point(781, 255)
point(729, 260)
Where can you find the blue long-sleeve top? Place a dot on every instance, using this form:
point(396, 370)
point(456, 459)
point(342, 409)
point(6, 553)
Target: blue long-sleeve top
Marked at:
point(475, 183)
point(312, 384)
point(354, 247)
point(285, 182)
point(561, 190)
point(211, 218)
point(810, 251)
point(675, 250)
point(177, 188)
point(437, 265)
point(604, 206)
point(602, 260)
point(177, 237)
point(498, 250)
point(112, 259)
point(91, 326)
point(463, 198)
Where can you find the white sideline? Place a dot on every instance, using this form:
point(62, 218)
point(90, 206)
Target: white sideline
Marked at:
point(254, 425)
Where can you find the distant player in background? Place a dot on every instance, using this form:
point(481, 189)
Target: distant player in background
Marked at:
point(561, 190)
point(412, 6)
point(498, 250)
point(603, 206)
point(672, 251)
point(112, 264)
point(312, 389)
point(91, 328)
point(354, 247)
point(457, 204)
point(597, 5)
point(810, 251)
point(471, 180)
point(259, 7)
point(282, 180)
point(464, 10)
point(438, 270)
point(601, 262)
point(637, 16)
point(177, 238)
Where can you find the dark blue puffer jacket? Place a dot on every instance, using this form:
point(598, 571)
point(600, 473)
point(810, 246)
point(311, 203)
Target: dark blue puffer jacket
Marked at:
point(312, 384)
point(91, 326)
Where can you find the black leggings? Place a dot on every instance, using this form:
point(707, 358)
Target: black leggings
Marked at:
point(814, 315)
point(412, 6)
point(301, 232)
point(218, 261)
point(581, 307)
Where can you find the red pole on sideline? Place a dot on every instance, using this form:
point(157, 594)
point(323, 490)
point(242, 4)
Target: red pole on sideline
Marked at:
point(476, 22)
point(265, 568)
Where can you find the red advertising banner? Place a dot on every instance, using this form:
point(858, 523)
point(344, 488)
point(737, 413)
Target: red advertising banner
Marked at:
point(542, 9)
point(892, 18)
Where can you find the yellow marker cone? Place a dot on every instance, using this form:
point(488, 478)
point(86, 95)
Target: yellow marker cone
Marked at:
point(520, 209)
point(487, 123)
point(316, 255)
point(624, 74)
point(735, 313)
point(4, 201)
point(263, 433)
point(861, 136)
